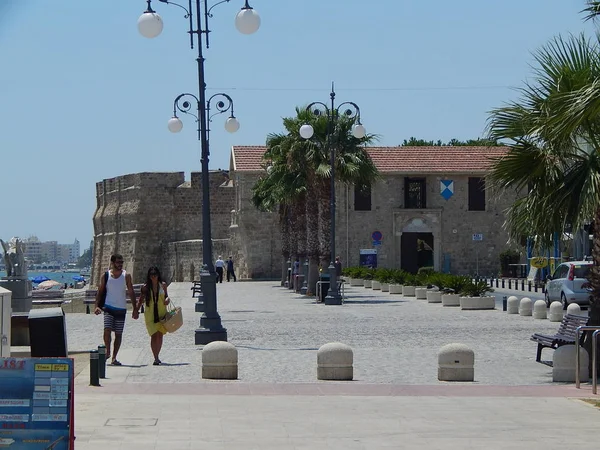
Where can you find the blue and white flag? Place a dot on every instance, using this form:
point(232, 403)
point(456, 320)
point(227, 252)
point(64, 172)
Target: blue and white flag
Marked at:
point(446, 188)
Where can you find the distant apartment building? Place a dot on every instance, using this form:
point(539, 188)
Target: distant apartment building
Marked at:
point(51, 251)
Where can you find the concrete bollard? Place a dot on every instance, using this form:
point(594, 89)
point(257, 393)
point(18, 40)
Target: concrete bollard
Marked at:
point(102, 361)
point(539, 309)
point(556, 312)
point(421, 293)
point(456, 362)
point(574, 308)
point(94, 378)
point(512, 305)
point(563, 364)
point(220, 361)
point(408, 291)
point(525, 306)
point(335, 362)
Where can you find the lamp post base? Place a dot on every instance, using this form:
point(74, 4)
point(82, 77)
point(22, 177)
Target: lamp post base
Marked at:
point(333, 300)
point(205, 336)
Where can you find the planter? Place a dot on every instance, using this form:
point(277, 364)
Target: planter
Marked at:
point(376, 285)
point(421, 293)
point(368, 284)
point(396, 288)
point(408, 291)
point(385, 287)
point(487, 302)
point(356, 282)
point(434, 297)
point(450, 300)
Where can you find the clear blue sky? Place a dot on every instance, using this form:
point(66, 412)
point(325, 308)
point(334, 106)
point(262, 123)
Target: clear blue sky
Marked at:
point(84, 97)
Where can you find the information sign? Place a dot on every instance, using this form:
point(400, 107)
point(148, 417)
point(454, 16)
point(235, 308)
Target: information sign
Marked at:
point(36, 403)
point(478, 237)
point(368, 258)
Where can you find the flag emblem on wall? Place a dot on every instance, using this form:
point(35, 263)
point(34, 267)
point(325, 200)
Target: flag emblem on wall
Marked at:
point(446, 188)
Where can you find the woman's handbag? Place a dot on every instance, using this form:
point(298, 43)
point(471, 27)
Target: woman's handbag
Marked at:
point(173, 319)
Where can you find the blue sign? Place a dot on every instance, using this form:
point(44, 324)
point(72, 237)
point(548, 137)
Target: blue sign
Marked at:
point(36, 403)
point(377, 236)
point(446, 189)
point(376, 243)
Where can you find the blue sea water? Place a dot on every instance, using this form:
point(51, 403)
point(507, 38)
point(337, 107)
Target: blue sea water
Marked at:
point(61, 277)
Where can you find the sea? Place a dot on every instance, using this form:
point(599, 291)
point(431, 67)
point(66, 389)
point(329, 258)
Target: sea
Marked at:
point(60, 276)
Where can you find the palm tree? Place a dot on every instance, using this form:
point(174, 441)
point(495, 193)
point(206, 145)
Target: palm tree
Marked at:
point(300, 168)
point(554, 138)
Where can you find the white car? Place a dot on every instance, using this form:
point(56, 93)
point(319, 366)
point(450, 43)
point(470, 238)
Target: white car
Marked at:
point(568, 284)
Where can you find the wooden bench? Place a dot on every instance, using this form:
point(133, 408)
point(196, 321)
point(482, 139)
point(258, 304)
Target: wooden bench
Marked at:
point(564, 336)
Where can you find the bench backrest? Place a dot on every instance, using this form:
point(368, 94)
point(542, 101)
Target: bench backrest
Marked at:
point(569, 324)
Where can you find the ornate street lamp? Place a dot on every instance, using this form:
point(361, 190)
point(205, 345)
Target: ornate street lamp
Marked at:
point(150, 25)
point(358, 131)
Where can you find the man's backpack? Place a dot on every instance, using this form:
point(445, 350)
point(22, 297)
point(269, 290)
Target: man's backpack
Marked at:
point(102, 299)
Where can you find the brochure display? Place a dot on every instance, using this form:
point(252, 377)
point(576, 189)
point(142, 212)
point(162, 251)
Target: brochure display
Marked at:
point(36, 403)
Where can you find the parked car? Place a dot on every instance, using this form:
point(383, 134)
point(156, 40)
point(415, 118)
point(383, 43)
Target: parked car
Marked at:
point(569, 284)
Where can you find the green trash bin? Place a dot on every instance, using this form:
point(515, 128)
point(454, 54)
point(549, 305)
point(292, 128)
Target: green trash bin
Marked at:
point(324, 279)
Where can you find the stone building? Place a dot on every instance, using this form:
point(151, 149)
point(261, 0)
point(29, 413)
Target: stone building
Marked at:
point(431, 207)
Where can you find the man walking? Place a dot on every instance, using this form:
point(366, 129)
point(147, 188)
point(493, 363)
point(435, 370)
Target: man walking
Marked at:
point(113, 285)
point(230, 271)
point(219, 267)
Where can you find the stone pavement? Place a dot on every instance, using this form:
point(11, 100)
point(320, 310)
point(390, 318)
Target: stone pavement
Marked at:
point(277, 403)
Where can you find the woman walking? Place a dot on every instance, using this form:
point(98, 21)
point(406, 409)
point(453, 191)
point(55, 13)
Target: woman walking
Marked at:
point(154, 295)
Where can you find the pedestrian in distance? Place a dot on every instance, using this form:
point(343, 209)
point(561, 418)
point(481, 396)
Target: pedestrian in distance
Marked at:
point(220, 267)
point(113, 286)
point(230, 271)
point(154, 295)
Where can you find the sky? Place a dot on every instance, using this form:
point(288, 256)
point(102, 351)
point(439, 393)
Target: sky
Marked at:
point(84, 97)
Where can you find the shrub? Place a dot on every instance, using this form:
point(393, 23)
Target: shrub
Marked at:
point(439, 279)
point(455, 283)
point(476, 289)
point(398, 276)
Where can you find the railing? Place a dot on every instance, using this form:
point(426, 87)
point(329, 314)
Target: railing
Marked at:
point(509, 283)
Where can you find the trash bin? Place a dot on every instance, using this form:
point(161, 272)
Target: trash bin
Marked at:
point(47, 333)
point(324, 279)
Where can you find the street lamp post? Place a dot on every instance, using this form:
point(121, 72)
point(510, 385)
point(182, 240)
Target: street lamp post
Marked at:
point(358, 131)
point(150, 25)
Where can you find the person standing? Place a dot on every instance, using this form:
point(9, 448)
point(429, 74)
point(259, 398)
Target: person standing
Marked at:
point(154, 294)
point(338, 267)
point(219, 267)
point(230, 271)
point(113, 285)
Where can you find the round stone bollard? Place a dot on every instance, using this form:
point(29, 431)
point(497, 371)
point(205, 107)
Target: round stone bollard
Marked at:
point(525, 306)
point(512, 305)
point(539, 309)
point(334, 362)
point(563, 364)
point(456, 362)
point(556, 312)
point(574, 308)
point(220, 361)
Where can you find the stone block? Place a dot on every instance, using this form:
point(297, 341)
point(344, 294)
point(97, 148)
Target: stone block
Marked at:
point(396, 288)
point(385, 287)
point(434, 296)
point(485, 302)
point(368, 284)
point(450, 300)
point(220, 361)
point(408, 291)
point(456, 362)
point(539, 309)
point(556, 312)
point(574, 308)
point(525, 306)
point(512, 305)
point(335, 362)
point(563, 364)
point(356, 282)
point(421, 293)
point(376, 285)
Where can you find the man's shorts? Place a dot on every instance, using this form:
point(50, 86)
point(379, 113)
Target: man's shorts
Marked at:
point(114, 320)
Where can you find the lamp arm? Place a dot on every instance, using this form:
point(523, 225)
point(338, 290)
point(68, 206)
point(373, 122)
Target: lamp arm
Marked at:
point(221, 106)
point(353, 112)
point(185, 106)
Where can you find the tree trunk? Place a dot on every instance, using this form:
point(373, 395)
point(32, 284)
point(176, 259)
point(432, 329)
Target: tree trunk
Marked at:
point(312, 236)
point(284, 227)
point(594, 308)
point(324, 220)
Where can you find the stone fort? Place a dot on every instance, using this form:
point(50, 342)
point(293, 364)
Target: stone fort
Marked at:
point(428, 198)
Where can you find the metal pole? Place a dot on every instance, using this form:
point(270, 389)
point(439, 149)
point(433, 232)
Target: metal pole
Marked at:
point(102, 361)
point(595, 362)
point(211, 328)
point(94, 379)
point(333, 296)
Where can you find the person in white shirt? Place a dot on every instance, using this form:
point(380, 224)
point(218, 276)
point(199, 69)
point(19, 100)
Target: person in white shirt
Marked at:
point(220, 267)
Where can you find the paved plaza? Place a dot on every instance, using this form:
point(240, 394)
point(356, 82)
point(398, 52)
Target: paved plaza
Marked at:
point(395, 400)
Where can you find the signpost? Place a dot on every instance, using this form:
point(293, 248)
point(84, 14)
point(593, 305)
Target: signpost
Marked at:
point(377, 237)
point(477, 237)
point(36, 403)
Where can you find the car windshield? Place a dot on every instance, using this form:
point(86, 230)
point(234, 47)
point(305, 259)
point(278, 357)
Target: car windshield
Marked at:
point(582, 271)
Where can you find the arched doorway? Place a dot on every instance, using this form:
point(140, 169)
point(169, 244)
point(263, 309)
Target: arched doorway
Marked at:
point(416, 246)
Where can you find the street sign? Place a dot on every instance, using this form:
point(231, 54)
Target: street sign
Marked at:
point(377, 236)
point(478, 237)
point(376, 243)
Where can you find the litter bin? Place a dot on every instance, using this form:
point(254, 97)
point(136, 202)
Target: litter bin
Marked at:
point(324, 279)
point(47, 333)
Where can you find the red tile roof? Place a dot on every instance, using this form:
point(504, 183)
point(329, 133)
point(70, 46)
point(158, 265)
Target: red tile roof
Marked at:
point(417, 160)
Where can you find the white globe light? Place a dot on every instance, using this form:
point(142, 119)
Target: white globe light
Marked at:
point(175, 125)
point(269, 169)
point(247, 21)
point(306, 131)
point(150, 25)
point(358, 131)
point(232, 125)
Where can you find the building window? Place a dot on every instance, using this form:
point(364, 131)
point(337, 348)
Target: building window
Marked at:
point(476, 194)
point(362, 198)
point(414, 193)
